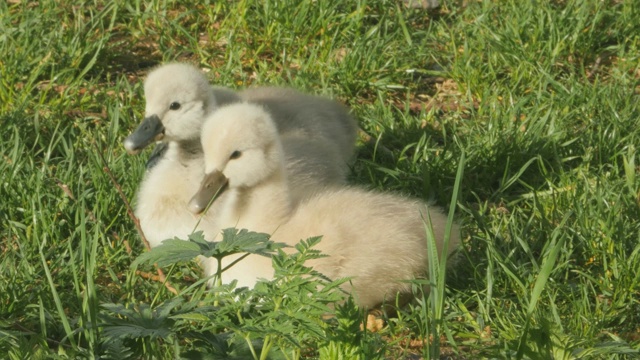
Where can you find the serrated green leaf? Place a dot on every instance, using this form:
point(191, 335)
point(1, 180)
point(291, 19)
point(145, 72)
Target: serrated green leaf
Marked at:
point(169, 252)
point(233, 241)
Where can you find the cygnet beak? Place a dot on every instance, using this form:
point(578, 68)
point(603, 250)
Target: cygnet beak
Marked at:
point(212, 186)
point(149, 130)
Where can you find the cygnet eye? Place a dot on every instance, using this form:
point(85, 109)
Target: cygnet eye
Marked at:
point(174, 105)
point(234, 155)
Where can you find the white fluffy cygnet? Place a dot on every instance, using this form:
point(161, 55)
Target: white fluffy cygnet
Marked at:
point(378, 239)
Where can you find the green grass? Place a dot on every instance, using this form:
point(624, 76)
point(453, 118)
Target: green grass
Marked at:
point(542, 98)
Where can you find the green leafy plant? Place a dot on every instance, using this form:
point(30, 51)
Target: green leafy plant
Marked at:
point(279, 318)
point(233, 242)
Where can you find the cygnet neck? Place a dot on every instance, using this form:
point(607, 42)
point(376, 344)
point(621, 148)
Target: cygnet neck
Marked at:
point(266, 205)
point(190, 149)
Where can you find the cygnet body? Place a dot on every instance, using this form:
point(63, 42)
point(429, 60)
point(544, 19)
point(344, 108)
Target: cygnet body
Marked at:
point(320, 136)
point(377, 239)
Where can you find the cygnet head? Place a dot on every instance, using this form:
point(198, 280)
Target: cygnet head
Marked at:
point(178, 96)
point(241, 150)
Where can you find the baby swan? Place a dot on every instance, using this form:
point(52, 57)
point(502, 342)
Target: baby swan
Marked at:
point(178, 99)
point(377, 239)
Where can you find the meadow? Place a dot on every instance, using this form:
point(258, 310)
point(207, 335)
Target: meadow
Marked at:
point(522, 117)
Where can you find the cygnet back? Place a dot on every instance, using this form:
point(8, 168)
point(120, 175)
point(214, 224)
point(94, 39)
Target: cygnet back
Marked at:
point(313, 117)
point(378, 239)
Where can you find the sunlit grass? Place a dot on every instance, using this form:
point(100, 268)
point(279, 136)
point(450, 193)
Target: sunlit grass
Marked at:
point(542, 98)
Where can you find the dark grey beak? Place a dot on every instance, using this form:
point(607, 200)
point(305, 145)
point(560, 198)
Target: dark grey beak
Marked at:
point(212, 186)
point(149, 130)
